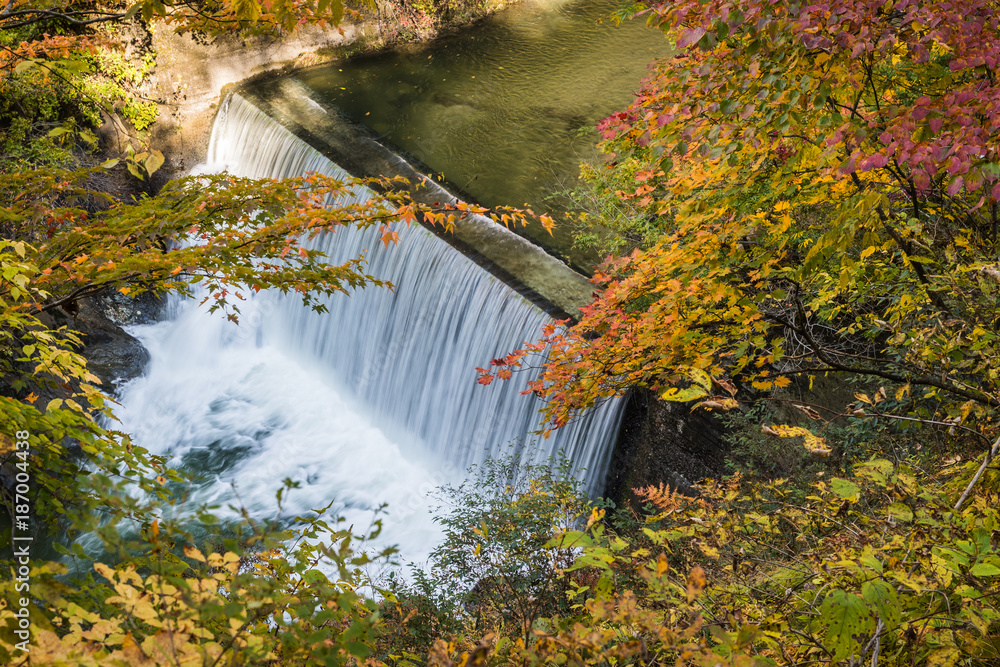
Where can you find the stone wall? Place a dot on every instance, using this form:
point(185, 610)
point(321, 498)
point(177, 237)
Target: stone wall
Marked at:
point(666, 443)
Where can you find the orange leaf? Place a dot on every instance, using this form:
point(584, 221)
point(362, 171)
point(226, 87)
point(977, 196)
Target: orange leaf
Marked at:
point(696, 583)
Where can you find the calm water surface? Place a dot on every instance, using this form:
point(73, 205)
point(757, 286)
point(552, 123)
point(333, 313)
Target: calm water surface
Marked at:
point(504, 111)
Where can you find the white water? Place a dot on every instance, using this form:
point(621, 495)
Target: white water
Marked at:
point(374, 402)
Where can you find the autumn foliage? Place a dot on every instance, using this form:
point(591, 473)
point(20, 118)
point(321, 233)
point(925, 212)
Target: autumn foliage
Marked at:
point(824, 178)
point(819, 182)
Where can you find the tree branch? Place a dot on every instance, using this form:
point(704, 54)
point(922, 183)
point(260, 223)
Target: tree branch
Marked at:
point(992, 452)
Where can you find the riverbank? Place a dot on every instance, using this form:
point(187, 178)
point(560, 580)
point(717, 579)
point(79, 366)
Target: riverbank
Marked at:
point(191, 72)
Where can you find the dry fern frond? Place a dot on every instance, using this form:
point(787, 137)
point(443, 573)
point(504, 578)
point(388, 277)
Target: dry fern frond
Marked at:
point(662, 497)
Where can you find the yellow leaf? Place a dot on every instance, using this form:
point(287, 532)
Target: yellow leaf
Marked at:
point(133, 654)
point(153, 162)
point(717, 403)
point(595, 515)
point(675, 395)
point(194, 553)
point(814, 444)
point(943, 657)
point(701, 378)
point(709, 551)
point(661, 565)
point(104, 571)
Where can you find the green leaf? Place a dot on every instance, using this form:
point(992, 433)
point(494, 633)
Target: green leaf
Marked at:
point(845, 489)
point(900, 512)
point(132, 11)
point(313, 577)
point(337, 11)
point(358, 649)
point(25, 65)
point(844, 619)
point(984, 570)
point(882, 597)
point(571, 538)
point(877, 470)
point(871, 562)
point(747, 635)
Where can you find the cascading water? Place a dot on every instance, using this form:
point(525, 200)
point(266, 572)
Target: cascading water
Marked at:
point(375, 401)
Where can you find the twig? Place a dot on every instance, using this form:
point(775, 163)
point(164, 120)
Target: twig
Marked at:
point(979, 473)
point(876, 641)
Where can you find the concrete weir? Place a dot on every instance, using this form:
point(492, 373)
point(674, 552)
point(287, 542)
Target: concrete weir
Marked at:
point(540, 277)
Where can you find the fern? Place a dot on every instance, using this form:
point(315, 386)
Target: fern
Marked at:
point(662, 497)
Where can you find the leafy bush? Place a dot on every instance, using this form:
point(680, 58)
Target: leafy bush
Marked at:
point(494, 559)
point(878, 568)
point(280, 596)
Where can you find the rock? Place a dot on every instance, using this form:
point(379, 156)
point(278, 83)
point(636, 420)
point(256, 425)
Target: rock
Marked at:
point(113, 133)
point(112, 354)
point(124, 310)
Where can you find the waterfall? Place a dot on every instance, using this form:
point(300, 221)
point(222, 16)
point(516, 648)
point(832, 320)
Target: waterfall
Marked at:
point(374, 401)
